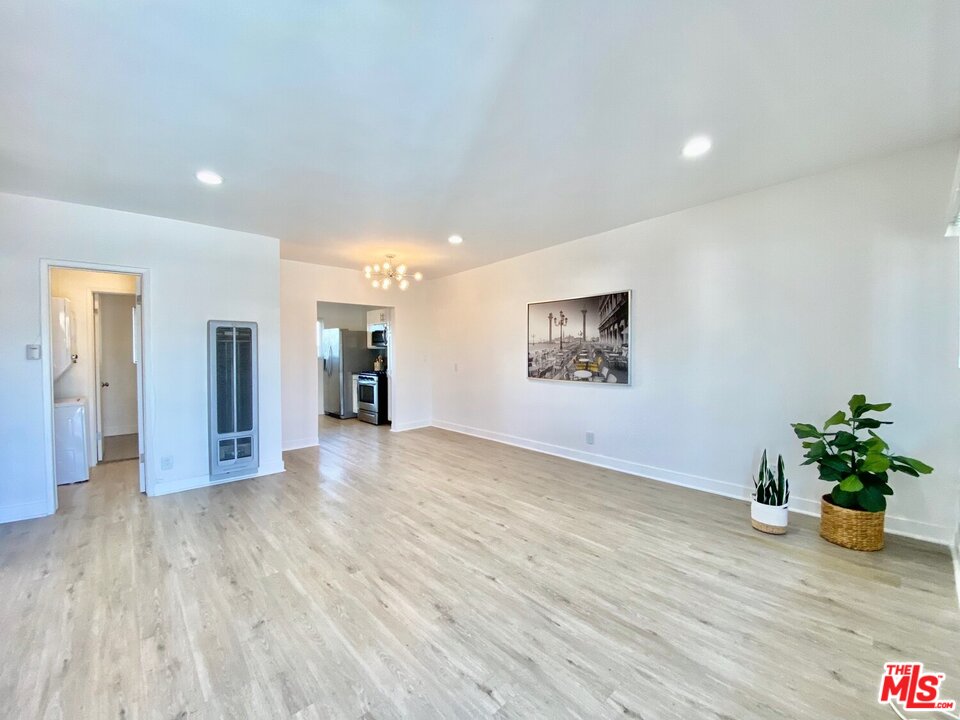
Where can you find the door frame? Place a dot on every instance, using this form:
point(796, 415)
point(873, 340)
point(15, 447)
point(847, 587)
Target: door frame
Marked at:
point(144, 373)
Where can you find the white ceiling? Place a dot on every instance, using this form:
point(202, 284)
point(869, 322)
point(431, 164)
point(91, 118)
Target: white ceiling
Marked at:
point(352, 128)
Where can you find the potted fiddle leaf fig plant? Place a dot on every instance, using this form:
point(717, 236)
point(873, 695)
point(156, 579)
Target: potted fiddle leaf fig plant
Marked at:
point(768, 511)
point(849, 454)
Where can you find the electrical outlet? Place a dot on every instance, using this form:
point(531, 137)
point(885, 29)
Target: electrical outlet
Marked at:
point(166, 463)
point(589, 438)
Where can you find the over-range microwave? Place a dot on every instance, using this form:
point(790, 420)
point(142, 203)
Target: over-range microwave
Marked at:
point(377, 336)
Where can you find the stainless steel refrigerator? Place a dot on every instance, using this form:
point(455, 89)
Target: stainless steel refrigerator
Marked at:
point(344, 353)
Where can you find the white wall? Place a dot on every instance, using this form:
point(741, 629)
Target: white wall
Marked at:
point(195, 273)
point(80, 380)
point(955, 551)
point(302, 286)
point(748, 313)
point(118, 370)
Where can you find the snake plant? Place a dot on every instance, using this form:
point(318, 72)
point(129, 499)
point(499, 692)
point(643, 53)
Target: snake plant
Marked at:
point(770, 489)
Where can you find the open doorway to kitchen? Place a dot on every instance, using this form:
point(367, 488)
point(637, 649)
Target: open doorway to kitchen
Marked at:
point(354, 364)
point(94, 335)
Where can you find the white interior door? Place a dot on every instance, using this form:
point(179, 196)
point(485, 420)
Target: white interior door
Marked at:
point(138, 361)
point(98, 371)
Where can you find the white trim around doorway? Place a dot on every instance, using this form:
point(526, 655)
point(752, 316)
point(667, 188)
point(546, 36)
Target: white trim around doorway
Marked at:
point(146, 399)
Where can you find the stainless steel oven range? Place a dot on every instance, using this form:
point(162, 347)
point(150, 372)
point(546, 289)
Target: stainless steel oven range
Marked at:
point(372, 397)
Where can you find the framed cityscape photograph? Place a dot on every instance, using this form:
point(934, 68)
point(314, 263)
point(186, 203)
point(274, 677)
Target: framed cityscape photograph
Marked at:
point(585, 339)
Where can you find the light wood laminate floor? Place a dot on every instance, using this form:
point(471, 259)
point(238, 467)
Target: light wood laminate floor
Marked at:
point(432, 575)
point(120, 447)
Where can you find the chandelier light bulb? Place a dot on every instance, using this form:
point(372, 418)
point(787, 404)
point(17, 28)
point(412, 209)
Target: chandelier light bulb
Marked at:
point(386, 275)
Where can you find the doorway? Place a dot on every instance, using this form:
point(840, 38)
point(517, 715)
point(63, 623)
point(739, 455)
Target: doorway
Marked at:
point(352, 340)
point(93, 326)
point(114, 317)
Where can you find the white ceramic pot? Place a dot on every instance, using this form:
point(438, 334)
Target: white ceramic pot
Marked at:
point(771, 519)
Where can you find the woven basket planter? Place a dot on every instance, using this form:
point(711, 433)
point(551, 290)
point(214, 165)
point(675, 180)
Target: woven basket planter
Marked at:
point(854, 529)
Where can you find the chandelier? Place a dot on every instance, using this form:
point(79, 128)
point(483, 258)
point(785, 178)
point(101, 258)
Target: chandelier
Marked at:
point(386, 274)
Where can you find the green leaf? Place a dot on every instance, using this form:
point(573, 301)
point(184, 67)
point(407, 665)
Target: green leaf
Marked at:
point(851, 484)
point(805, 430)
point(875, 463)
point(871, 499)
point(856, 401)
point(836, 463)
point(864, 423)
point(877, 439)
point(905, 469)
point(843, 499)
point(920, 467)
point(886, 489)
point(845, 441)
point(815, 449)
point(838, 418)
point(830, 474)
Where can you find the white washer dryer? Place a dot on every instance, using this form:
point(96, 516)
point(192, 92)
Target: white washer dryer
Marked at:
point(70, 440)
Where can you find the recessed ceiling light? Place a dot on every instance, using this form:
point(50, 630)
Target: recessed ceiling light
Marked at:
point(697, 146)
point(454, 239)
point(209, 177)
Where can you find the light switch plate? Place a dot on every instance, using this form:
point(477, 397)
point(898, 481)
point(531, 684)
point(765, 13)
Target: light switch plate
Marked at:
point(33, 352)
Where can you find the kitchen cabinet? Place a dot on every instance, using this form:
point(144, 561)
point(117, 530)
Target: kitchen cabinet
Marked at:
point(378, 328)
point(378, 317)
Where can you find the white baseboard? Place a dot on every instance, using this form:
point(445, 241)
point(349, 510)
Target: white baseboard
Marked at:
point(894, 525)
point(301, 443)
point(414, 425)
point(23, 511)
point(717, 487)
point(203, 481)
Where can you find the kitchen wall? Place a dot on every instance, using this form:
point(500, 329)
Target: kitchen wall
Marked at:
point(748, 313)
point(195, 273)
point(80, 380)
point(302, 286)
point(344, 315)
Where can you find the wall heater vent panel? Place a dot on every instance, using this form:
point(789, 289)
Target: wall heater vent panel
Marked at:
point(232, 386)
